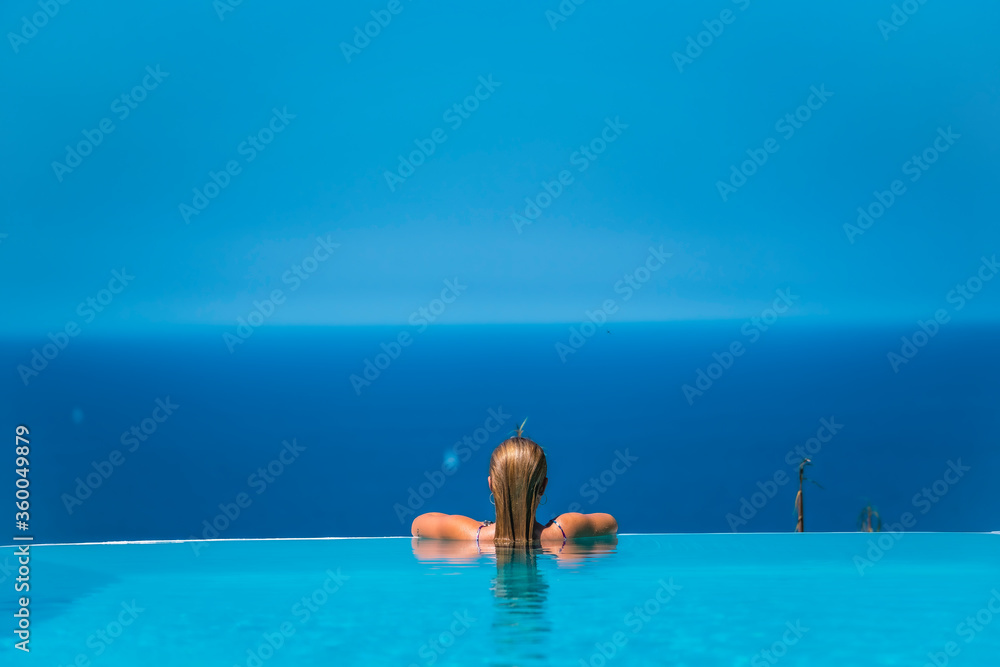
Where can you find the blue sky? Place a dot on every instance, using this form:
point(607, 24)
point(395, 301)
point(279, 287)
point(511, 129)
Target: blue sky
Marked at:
point(323, 175)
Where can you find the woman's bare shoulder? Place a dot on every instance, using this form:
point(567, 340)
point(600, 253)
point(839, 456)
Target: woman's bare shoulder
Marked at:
point(575, 524)
point(445, 526)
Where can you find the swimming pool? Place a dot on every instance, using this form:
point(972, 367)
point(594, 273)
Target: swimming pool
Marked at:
point(748, 599)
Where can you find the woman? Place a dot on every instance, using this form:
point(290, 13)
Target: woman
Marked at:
point(517, 483)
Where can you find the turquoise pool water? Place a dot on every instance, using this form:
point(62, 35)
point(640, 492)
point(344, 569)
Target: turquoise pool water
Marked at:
point(756, 599)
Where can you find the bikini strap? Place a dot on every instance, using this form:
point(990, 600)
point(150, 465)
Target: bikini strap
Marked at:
point(481, 526)
point(560, 530)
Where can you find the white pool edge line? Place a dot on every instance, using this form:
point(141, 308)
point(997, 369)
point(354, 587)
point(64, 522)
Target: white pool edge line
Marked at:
point(408, 537)
point(233, 539)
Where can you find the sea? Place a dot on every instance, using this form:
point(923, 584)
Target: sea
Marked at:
point(179, 433)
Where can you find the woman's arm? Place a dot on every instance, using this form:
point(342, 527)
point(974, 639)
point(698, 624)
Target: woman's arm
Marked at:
point(587, 525)
point(444, 526)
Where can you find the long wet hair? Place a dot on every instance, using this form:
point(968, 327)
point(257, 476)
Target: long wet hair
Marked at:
point(517, 471)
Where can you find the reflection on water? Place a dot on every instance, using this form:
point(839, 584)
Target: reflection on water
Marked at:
point(520, 626)
point(573, 553)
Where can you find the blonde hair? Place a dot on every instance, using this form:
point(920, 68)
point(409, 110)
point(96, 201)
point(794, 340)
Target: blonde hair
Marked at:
point(517, 472)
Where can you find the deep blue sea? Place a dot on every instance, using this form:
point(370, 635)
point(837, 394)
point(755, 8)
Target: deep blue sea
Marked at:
point(274, 440)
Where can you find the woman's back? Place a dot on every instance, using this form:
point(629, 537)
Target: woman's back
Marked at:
point(517, 483)
point(571, 525)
